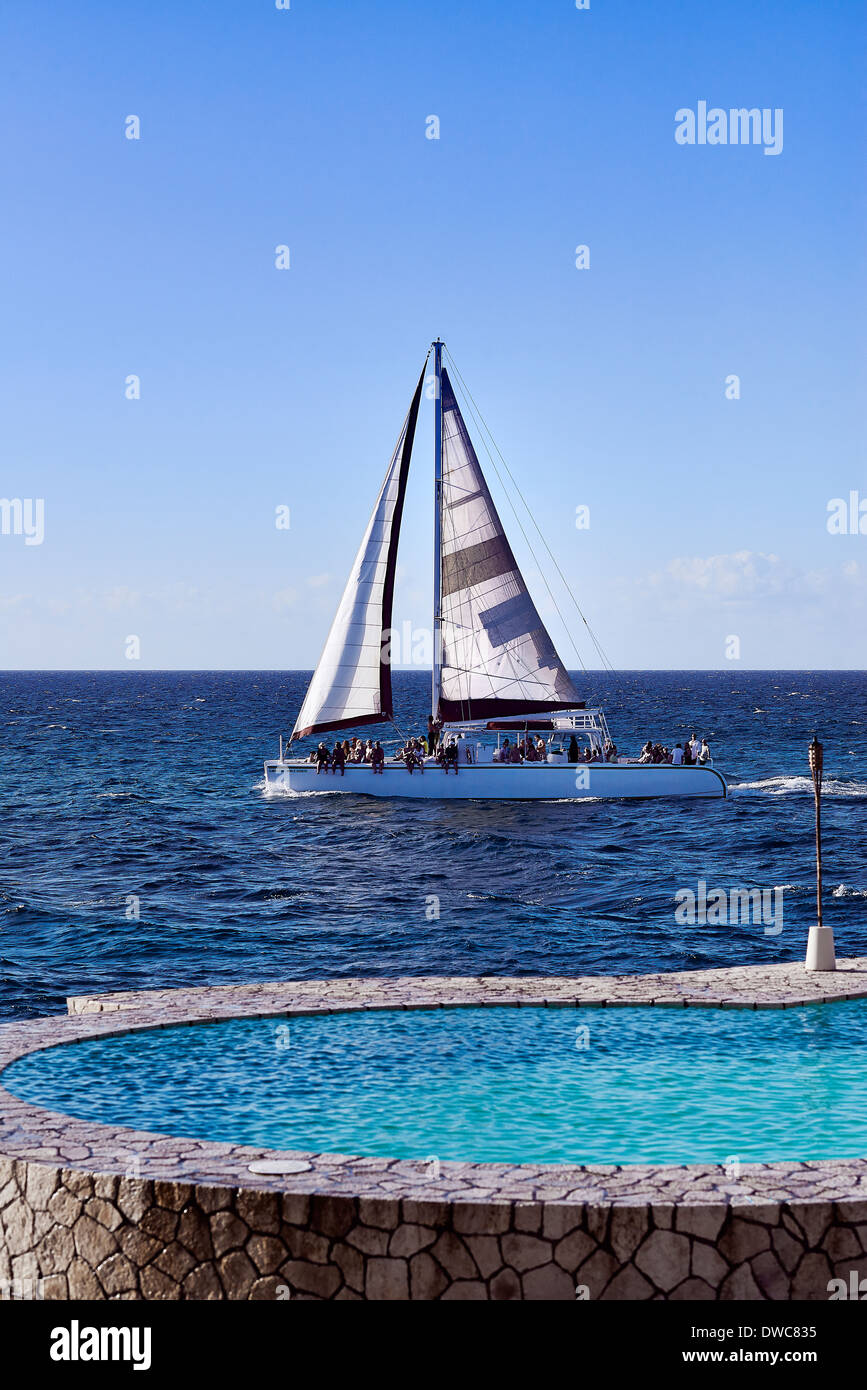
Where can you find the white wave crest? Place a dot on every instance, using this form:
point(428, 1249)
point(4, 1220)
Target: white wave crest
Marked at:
point(798, 786)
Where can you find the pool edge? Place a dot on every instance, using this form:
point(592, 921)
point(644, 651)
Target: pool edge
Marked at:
point(95, 1211)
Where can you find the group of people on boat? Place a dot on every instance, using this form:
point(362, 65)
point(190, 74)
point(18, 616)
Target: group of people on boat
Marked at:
point(414, 753)
point(688, 754)
point(455, 752)
point(349, 751)
point(449, 755)
point(530, 749)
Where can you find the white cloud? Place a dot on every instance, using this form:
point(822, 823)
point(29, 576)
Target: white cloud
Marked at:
point(284, 599)
point(748, 575)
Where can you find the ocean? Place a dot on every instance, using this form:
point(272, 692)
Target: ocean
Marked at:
point(139, 849)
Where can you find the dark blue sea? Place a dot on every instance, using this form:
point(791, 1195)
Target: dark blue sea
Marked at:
point(125, 792)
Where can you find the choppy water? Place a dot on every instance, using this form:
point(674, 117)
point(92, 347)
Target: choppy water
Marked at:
point(638, 1085)
point(148, 786)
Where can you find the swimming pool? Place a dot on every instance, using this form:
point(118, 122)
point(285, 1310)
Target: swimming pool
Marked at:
point(505, 1084)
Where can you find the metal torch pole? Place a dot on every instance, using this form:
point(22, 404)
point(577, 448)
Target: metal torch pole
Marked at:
point(820, 940)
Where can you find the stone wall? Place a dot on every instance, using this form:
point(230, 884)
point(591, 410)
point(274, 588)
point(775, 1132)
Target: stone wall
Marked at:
point(98, 1211)
point(77, 1235)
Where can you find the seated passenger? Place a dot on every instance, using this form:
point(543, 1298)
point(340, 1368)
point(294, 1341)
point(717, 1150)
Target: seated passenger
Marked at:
point(338, 760)
point(377, 757)
point(412, 757)
point(321, 758)
point(450, 756)
point(677, 755)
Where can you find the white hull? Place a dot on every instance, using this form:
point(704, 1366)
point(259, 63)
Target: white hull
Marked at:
point(496, 782)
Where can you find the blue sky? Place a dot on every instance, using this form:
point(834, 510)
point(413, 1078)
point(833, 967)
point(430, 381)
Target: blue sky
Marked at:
point(259, 387)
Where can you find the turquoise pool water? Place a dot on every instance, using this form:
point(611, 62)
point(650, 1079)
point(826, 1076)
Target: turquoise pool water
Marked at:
point(640, 1085)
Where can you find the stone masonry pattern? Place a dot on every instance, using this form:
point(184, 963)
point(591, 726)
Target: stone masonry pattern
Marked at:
point(89, 1211)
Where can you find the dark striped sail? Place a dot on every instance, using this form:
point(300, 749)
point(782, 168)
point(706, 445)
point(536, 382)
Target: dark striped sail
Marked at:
point(497, 656)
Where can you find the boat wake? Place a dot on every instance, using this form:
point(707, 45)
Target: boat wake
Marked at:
point(797, 786)
point(290, 794)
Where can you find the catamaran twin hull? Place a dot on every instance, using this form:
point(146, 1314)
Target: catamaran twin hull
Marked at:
point(495, 666)
point(495, 782)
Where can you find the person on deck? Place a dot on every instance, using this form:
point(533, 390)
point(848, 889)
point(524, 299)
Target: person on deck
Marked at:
point(704, 753)
point(377, 757)
point(574, 751)
point(677, 755)
point(450, 757)
point(434, 728)
point(338, 759)
point(321, 758)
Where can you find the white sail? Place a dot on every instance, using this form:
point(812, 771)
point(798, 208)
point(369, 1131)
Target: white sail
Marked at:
point(352, 683)
point(497, 656)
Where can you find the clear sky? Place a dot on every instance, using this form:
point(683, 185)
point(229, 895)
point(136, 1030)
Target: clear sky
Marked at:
point(262, 387)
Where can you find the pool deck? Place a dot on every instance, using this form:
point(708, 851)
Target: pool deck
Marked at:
point(98, 1211)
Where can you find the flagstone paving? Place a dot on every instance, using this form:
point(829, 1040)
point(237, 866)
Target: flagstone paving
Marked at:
point(102, 1212)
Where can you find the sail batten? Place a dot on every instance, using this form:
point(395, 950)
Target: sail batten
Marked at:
point(352, 682)
point(497, 657)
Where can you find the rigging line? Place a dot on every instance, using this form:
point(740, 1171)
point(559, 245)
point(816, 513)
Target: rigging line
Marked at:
point(485, 429)
point(605, 662)
point(510, 648)
point(566, 628)
point(475, 413)
point(469, 585)
point(480, 421)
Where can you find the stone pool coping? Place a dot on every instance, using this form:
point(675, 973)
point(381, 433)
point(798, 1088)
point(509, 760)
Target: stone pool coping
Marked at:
point(35, 1135)
point(95, 1211)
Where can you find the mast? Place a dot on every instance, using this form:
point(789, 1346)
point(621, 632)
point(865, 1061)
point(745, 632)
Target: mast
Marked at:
point(438, 489)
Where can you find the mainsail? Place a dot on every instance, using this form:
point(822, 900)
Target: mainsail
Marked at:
point(352, 683)
point(496, 655)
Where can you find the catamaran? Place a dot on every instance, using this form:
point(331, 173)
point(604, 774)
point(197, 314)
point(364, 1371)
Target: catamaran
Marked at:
point(496, 673)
